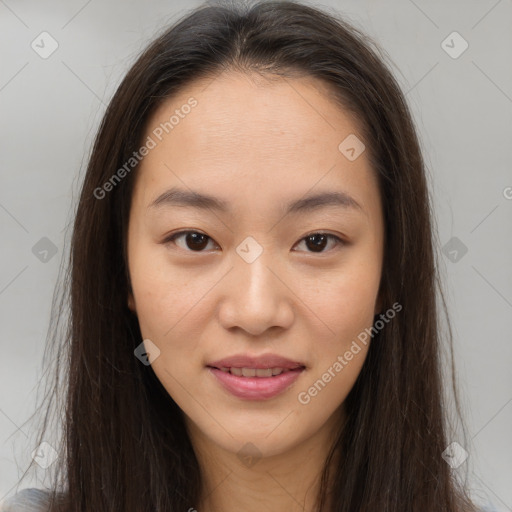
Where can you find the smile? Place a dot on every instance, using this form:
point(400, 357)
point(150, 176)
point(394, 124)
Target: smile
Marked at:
point(256, 383)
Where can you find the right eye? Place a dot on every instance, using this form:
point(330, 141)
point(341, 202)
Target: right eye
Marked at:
point(194, 241)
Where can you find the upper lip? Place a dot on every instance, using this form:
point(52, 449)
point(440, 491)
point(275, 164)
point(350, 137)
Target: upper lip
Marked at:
point(264, 361)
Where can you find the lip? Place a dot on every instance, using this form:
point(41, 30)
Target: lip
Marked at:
point(264, 361)
point(256, 388)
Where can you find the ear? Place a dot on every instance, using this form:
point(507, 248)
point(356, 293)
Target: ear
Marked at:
point(378, 305)
point(131, 302)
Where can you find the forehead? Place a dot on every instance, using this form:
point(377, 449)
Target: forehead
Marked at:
point(287, 114)
point(255, 135)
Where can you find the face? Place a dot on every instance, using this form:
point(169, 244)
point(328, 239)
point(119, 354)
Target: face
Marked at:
point(256, 277)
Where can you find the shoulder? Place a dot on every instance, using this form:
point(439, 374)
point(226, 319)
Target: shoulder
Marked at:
point(488, 508)
point(37, 500)
point(26, 500)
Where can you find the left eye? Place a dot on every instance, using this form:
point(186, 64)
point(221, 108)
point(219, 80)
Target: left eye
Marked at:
point(318, 241)
point(197, 241)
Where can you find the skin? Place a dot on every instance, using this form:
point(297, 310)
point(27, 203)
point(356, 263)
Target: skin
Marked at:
point(257, 144)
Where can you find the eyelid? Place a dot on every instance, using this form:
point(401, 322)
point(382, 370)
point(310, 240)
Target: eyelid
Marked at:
point(339, 240)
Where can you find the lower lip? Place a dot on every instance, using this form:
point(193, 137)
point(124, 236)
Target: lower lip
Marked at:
point(256, 388)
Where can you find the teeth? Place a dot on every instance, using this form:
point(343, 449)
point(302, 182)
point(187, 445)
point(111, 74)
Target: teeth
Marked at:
point(254, 372)
point(264, 372)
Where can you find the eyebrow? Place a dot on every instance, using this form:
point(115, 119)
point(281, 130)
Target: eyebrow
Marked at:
point(308, 203)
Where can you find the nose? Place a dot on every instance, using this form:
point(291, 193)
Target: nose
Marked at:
point(255, 297)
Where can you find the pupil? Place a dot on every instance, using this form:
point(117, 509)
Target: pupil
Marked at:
point(192, 239)
point(318, 245)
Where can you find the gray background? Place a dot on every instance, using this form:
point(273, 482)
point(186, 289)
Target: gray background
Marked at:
point(50, 110)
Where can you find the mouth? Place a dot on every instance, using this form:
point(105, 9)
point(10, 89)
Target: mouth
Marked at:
point(248, 383)
point(257, 372)
point(255, 377)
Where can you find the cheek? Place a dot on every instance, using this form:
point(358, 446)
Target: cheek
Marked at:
point(346, 308)
point(163, 293)
point(343, 302)
point(165, 307)
point(170, 307)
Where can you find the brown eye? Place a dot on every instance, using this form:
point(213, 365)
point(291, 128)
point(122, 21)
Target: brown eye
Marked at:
point(193, 240)
point(317, 242)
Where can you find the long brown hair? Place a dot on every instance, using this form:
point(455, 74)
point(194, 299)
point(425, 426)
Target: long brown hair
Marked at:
point(124, 444)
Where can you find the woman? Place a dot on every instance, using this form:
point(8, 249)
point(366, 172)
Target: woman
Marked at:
point(253, 282)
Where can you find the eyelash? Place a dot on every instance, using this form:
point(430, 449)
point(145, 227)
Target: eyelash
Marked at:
point(173, 237)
